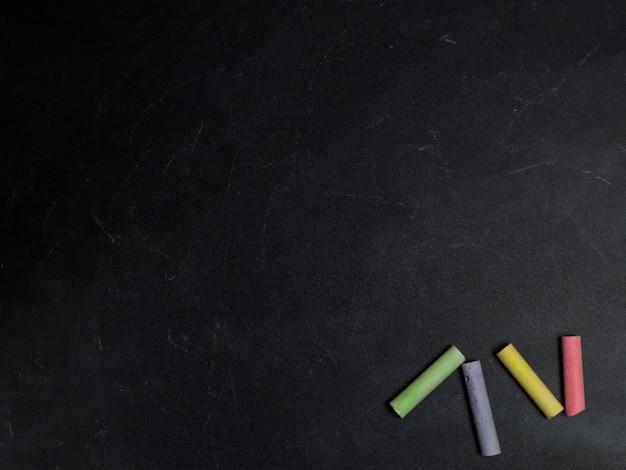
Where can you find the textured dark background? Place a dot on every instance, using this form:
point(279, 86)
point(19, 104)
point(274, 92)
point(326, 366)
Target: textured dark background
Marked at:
point(231, 233)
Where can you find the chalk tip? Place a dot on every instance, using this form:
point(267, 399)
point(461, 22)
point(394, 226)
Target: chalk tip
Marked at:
point(555, 414)
point(491, 454)
point(399, 412)
point(574, 411)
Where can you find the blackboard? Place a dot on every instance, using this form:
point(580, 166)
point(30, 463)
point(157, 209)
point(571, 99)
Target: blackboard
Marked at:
point(233, 232)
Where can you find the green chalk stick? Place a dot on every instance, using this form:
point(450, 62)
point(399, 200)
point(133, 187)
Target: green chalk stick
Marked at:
point(428, 380)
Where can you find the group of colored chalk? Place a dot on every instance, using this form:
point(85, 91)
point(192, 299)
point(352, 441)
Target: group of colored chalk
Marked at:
point(474, 380)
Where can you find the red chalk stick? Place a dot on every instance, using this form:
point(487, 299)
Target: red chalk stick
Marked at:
point(573, 375)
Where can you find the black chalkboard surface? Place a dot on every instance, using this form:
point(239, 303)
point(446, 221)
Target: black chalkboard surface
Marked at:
point(233, 232)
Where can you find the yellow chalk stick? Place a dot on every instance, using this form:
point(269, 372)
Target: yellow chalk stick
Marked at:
point(529, 381)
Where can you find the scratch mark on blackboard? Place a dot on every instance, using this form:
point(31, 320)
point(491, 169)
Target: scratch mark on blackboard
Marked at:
point(146, 243)
point(332, 357)
point(112, 237)
point(232, 169)
point(445, 38)
point(529, 167)
point(213, 347)
point(367, 196)
point(264, 229)
point(589, 54)
point(45, 221)
point(588, 172)
point(9, 428)
point(195, 140)
point(169, 338)
point(151, 106)
point(235, 403)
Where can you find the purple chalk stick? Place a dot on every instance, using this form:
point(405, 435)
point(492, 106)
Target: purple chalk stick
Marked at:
point(481, 409)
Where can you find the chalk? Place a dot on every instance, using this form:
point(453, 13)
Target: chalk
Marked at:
point(573, 375)
point(481, 409)
point(428, 380)
point(529, 381)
